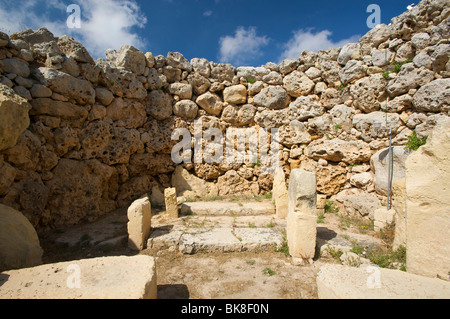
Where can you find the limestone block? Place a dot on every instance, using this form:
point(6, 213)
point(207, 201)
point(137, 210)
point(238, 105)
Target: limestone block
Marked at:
point(383, 218)
point(170, 195)
point(139, 223)
point(427, 205)
point(98, 278)
point(302, 218)
point(280, 194)
point(19, 243)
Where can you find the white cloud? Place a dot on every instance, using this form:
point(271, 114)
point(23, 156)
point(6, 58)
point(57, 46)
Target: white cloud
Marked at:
point(243, 47)
point(307, 40)
point(105, 24)
point(208, 13)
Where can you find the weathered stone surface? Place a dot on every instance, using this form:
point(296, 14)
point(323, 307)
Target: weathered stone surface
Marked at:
point(63, 110)
point(369, 92)
point(231, 184)
point(97, 280)
point(87, 194)
point(433, 97)
point(427, 179)
point(409, 78)
point(170, 196)
point(369, 282)
point(218, 240)
point(14, 117)
point(190, 186)
point(362, 205)
point(364, 123)
point(399, 204)
point(177, 60)
point(182, 90)
point(139, 223)
point(104, 96)
point(33, 37)
point(201, 66)
point(280, 193)
point(306, 107)
point(337, 150)
point(236, 94)
point(186, 109)
point(223, 72)
point(227, 208)
point(383, 218)
point(239, 115)
point(273, 97)
point(19, 243)
point(129, 58)
point(211, 103)
point(302, 219)
point(349, 52)
point(81, 91)
point(159, 105)
point(199, 83)
point(380, 166)
point(127, 113)
point(352, 71)
point(16, 66)
point(74, 49)
point(298, 84)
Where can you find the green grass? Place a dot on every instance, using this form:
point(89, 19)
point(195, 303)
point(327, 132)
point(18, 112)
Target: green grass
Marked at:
point(330, 207)
point(321, 219)
point(415, 142)
point(251, 80)
point(271, 224)
point(268, 195)
point(337, 127)
point(398, 65)
point(341, 87)
point(251, 225)
point(386, 75)
point(361, 224)
point(268, 271)
point(284, 248)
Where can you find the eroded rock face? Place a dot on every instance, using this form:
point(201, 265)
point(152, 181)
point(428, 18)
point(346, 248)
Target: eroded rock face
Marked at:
point(19, 243)
point(14, 117)
point(81, 190)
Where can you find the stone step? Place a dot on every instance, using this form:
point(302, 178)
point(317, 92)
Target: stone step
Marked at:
point(217, 240)
point(228, 208)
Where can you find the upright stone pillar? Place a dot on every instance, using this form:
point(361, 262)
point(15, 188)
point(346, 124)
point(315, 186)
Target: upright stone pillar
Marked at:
point(170, 195)
point(280, 193)
point(428, 205)
point(302, 217)
point(139, 223)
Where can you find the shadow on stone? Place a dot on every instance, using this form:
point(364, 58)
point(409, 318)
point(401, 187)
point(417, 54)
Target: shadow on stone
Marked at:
point(3, 279)
point(176, 291)
point(323, 236)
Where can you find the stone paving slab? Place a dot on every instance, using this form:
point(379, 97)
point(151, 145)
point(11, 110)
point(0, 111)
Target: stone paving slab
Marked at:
point(224, 239)
point(98, 278)
point(369, 282)
point(228, 208)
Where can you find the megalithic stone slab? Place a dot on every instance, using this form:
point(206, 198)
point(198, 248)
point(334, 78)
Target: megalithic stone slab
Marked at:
point(280, 193)
point(139, 223)
point(170, 195)
point(302, 218)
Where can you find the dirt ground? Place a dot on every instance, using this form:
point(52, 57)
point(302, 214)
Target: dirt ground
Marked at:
point(244, 275)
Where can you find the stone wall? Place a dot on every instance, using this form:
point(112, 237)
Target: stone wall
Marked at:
point(98, 133)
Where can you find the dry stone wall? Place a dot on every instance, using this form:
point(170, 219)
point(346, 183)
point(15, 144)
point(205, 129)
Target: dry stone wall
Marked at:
point(98, 133)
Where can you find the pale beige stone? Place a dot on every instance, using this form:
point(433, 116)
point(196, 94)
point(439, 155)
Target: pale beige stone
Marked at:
point(399, 204)
point(236, 94)
point(427, 205)
point(370, 282)
point(383, 218)
point(98, 278)
point(302, 218)
point(170, 195)
point(139, 223)
point(280, 193)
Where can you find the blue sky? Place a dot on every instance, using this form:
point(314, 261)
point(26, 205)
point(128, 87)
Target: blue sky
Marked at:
point(241, 32)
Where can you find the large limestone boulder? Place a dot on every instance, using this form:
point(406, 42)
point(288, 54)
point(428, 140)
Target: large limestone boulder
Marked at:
point(352, 71)
point(272, 97)
point(139, 223)
point(190, 186)
point(362, 205)
point(236, 94)
point(370, 282)
point(427, 205)
point(280, 193)
point(159, 105)
point(14, 117)
point(337, 150)
point(433, 97)
point(19, 243)
point(16, 66)
point(81, 91)
point(399, 205)
point(232, 184)
point(369, 92)
point(98, 278)
point(129, 58)
point(380, 166)
point(298, 84)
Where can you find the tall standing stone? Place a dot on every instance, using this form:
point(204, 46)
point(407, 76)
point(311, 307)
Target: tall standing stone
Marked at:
point(139, 223)
point(170, 195)
point(427, 205)
point(280, 193)
point(302, 217)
